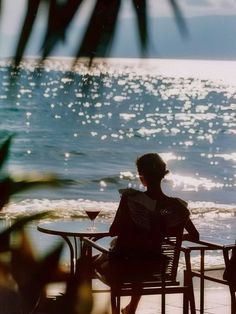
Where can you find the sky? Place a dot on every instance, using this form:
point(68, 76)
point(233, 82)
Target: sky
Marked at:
point(202, 44)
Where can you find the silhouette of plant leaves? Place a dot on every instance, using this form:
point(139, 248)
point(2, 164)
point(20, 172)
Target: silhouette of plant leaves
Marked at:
point(60, 16)
point(141, 12)
point(22, 221)
point(31, 275)
point(99, 33)
point(29, 20)
point(16, 226)
point(179, 17)
point(78, 297)
point(4, 150)
point(4, 242)
point(10, 187)
point(5, 191)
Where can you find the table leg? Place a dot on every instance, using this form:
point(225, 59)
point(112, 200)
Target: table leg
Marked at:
point(72, 255)
point(75, 249)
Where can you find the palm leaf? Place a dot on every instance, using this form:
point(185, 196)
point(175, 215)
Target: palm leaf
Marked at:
point(29, 20)
point(60, 16)
point(31, 275)
point(78, 298)
point(141, 12)
point(4, 242)
point(10, 187)
point(99, 34)
point(4, 150)
point(21, 222)
point(35, 182)
point(16, 226)
point(179, 18)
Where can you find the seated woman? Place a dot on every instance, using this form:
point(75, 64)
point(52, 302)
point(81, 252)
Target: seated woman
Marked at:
point(140, 225)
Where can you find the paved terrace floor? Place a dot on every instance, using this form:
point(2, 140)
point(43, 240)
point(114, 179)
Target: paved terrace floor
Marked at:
point(217, 301)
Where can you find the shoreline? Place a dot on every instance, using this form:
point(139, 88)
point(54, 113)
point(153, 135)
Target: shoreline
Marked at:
point(215, 70)
point(73, 208)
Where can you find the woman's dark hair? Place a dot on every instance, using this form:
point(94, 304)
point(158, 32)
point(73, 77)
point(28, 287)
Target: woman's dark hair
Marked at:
point(152, 167)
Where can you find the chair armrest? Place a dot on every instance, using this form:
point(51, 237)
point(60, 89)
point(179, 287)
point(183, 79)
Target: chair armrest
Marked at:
point(95, 245)
point(195, 245)
point(202, 247)
point(229, 246)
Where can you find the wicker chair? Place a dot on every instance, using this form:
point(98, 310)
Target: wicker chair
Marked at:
point(160, 282)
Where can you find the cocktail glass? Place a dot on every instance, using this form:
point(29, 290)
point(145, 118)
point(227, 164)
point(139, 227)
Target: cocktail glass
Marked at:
point(92, 213)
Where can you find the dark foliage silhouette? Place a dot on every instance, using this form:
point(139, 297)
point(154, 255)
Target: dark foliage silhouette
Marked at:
point(99, 32)
point(23, 276)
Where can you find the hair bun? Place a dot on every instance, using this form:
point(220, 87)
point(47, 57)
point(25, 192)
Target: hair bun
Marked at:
point(151, 165)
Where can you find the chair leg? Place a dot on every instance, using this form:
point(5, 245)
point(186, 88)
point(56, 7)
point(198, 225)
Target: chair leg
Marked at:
point(114, 305)
point(163, 294)
point(189, 295)
point(185, 297)
point(233, 300)
point(118, 304)
point(163, 303)
point(192, 301)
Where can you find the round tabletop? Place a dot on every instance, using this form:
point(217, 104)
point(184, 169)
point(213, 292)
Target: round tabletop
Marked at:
point(75, 228)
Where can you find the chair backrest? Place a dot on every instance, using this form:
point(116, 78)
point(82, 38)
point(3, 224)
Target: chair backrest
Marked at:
point(171, 248)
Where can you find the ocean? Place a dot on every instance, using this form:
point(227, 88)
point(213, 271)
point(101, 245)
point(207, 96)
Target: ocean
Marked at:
point(88, 126)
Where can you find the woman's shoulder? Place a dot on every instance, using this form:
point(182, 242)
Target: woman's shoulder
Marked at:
point(129, 192)
point(178, 205)
point(177, 211)
point(177, 202)
point(138, 197)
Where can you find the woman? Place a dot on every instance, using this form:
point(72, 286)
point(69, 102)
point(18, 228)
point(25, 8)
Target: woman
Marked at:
point(140, 224)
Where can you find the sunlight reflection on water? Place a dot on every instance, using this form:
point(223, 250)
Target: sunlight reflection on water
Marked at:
point(118, 110)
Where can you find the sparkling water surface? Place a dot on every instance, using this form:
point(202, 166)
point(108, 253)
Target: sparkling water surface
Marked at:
point(89, 125)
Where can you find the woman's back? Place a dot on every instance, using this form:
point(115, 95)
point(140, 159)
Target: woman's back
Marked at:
point(141, 223)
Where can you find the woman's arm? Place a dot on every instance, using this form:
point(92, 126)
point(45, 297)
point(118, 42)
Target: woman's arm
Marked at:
point(193, 234)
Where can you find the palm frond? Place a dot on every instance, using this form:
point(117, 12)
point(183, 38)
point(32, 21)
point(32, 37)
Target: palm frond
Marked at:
point(17, 226)
point(99, 34)
point(21, 222)
point(29, 20)
point(179, 17)
point(59, 18)
point(4, 150)
point(32, 275)
point(140, 7)
point(9, 186)
point(79, 290)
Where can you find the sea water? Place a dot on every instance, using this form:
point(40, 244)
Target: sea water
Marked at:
point(88, 125)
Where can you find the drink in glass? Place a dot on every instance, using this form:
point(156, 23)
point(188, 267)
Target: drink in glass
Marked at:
point(92, 214)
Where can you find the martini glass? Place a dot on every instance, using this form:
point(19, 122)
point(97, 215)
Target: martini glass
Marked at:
point(92, 214)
